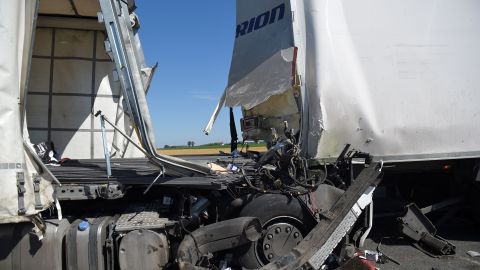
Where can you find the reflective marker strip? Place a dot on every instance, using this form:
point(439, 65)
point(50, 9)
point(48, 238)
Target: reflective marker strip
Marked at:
point(11, 166)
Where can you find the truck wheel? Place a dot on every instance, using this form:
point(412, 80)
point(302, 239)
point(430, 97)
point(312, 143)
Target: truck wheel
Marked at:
point(285, 222)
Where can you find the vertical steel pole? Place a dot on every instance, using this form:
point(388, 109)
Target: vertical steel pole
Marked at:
point(105, 148)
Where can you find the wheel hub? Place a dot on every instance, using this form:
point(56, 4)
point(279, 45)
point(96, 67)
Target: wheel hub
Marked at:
point(279, 239)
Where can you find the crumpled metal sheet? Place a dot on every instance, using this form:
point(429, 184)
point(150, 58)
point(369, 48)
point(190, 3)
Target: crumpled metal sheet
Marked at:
point(263, 53)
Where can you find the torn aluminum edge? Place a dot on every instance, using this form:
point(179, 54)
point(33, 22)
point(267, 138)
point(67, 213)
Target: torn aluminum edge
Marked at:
point(215, 113)
point(128, 58)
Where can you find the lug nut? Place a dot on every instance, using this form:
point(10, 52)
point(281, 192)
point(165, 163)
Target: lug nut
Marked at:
point(267, 246)
point(278, 230)
point(288, 229)
point(270, 256)
point(269, 236)
point(296, 235)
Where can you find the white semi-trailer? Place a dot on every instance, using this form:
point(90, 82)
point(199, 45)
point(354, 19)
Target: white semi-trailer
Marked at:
point(396, 79)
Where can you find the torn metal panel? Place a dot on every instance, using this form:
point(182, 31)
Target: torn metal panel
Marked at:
point(129, 60)
point(263, 53)
point(213, 118)
point(263, 60)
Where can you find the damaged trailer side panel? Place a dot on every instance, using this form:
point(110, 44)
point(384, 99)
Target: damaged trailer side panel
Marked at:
point(401, 86)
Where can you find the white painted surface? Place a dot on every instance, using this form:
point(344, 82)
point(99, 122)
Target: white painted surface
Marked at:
point(398, 79)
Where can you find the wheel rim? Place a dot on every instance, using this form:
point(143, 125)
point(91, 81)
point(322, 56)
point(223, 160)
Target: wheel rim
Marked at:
point(282, 234)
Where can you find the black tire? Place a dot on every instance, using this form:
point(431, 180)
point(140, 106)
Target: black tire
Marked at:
point(272, 209)
point(474, 202)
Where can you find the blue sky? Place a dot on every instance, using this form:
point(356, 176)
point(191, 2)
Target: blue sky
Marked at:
point(192, 42)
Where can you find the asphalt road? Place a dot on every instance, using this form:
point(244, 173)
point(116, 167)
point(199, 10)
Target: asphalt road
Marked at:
point(461, 232)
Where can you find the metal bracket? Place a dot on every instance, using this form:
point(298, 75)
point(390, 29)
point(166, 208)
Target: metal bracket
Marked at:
point(90, 191)
point(260, 122)
point(415, 225)
point(105, 147)
point(100, 17)
point(36, 190)
point(21, 193)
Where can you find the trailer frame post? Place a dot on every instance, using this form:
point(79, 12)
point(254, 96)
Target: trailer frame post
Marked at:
point(105, 147)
